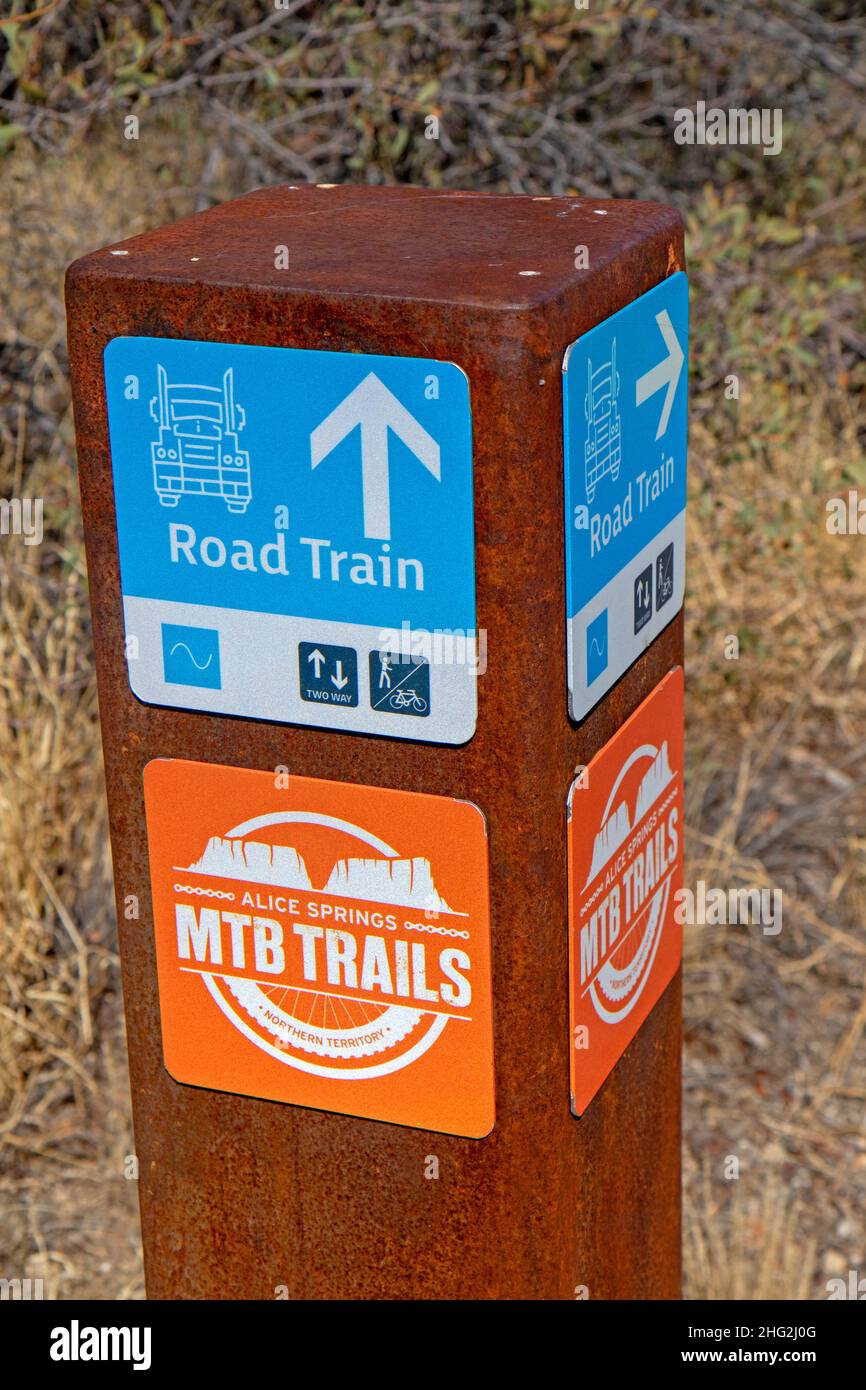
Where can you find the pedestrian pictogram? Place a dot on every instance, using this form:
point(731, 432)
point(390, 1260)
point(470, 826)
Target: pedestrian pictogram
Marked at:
point(399, 684)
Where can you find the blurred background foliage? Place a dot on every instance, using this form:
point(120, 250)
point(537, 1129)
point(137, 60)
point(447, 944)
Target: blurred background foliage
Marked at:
point(532, 97)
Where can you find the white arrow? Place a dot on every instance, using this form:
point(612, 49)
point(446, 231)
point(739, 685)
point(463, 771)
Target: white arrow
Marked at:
point(339, 680)
point(318, 660)
point(665, 373)
point(372, 406)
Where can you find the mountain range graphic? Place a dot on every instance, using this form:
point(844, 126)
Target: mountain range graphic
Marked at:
point(397, 882)
point(618, 826)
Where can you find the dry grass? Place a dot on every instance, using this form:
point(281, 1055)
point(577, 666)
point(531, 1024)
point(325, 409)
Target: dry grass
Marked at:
point(66, 1213)
point(775, 1062)
point(776, 798)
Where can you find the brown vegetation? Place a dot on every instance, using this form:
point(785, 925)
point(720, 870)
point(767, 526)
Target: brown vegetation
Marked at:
point(534, 97)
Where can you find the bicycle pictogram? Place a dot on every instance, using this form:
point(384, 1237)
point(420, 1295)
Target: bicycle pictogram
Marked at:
point(407, 699)
point(399, 684)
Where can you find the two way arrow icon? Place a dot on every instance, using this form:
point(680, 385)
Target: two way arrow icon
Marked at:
point(666, 373)
point(318, 659)
point(372, 406)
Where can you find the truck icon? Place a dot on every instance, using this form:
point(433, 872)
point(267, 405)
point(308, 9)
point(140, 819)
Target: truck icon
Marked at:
point(197, 452)
point(603, 449)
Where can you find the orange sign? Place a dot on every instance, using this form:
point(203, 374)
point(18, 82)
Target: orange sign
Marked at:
point(323, 944)
point(625, 866)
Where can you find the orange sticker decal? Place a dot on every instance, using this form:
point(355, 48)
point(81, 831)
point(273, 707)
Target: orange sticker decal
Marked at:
point(625, 867)
point(323, 944)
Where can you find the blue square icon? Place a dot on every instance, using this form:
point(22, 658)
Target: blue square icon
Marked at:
point(399, 685)
point(596, 647)
point(329, 675)
point(191, 656)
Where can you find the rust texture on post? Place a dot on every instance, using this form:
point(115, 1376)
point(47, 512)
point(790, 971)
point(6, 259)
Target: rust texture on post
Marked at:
point(240, 1195)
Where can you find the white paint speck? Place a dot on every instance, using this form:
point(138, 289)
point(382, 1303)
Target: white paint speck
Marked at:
point(529, 272)
point(327, 185)
point(195, 258)
point(600, 212)
point(119, 253)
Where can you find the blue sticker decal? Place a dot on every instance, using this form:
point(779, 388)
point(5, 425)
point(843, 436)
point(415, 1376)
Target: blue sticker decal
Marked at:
point(625, 423)
point(399, 686)
point(294, 502)
point(191, 655)
point(596, 647)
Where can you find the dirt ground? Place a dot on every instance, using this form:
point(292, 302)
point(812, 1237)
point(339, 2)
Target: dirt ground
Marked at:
point(775, 1052)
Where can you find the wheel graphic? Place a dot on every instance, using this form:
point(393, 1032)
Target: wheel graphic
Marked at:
point(620, 982)
point(326, 1022)
point(348, 1037)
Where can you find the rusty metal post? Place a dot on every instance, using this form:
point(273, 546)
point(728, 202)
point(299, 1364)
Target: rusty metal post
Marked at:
point(241, 1195)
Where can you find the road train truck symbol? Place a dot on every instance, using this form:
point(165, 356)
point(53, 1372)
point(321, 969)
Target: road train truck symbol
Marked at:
point(603, 448)
point(197, 452)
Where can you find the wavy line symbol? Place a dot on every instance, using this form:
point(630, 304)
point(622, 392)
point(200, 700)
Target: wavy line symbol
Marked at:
point(182, 647)
point(191, 656)
point(596, 647)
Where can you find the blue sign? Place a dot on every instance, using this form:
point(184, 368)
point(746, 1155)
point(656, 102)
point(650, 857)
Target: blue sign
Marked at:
point(625, 423)
point(273, 503)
